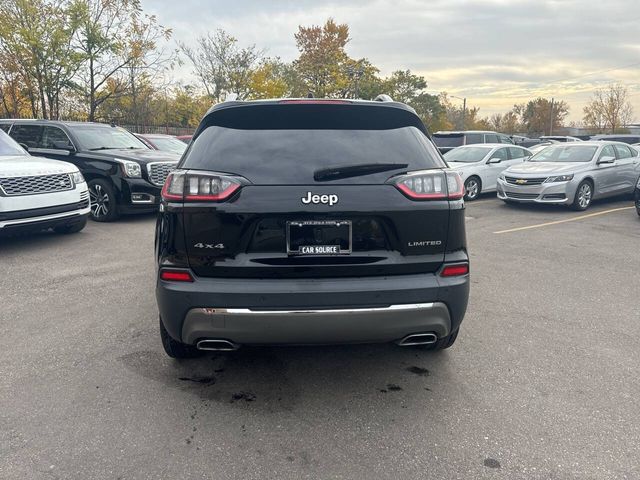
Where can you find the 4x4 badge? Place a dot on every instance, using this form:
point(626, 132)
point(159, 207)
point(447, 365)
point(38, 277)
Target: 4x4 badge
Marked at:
point(209, 245)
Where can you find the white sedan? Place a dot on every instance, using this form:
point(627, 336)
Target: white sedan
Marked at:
point(480, 164)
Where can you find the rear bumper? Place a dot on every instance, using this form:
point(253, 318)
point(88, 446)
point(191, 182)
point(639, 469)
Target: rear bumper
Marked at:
point(312, 311)
point(138, 196)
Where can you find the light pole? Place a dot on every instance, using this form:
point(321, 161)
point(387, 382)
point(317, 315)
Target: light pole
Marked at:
point(356, 73)
point(464, 107)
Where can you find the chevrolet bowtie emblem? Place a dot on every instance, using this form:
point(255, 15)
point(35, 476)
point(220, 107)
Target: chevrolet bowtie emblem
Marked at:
point(521, 181)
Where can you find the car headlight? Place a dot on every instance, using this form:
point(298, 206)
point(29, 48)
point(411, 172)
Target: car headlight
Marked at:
point(76, 178)
point(131, 169)
point(559, 178)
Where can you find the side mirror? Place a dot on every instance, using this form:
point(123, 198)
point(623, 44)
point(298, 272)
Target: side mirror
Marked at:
point(62, 145)
point(494, 160)
point(25, 146)
point(607, 159)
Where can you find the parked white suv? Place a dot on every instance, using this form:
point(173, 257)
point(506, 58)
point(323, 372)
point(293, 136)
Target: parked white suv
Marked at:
point(38, 193)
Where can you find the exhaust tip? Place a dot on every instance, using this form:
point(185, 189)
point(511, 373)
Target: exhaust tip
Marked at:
point(217, 345)
point(418, 339)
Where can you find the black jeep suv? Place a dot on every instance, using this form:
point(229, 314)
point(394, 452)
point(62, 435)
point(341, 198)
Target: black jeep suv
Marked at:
point(123, 174)
point(310, 222)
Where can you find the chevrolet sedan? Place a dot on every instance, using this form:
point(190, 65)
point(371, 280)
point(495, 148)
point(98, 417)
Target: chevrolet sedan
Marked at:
point(572, 174)
point(480, 164)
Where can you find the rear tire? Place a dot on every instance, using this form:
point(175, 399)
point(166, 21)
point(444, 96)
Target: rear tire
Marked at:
point(103, 201)
point(583, 196)
point(75, 228)
point(174, 348)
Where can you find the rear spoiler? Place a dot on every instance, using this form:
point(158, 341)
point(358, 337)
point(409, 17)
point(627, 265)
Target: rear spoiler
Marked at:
point(308, 114)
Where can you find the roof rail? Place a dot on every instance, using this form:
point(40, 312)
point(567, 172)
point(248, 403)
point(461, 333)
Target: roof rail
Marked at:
point(383, 98)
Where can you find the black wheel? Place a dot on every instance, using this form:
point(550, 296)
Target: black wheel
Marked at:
point(174, 348)
point(442, 343)
point(103, 201)
point(75, 228)
point(583, 197)
point(472, 188)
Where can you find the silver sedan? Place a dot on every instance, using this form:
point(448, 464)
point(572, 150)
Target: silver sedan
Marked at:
point(572, 174)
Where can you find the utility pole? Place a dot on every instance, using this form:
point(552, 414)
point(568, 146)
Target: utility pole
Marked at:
point(464, 110)
point(551, 119)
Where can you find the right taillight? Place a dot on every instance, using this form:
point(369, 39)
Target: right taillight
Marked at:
point(198, 187)
point(431, 185)
point(455, 270)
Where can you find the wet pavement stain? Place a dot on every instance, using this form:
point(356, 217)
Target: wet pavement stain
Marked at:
point(491, 463)
point(246, 396)
point(423, 372)
point(203, 380)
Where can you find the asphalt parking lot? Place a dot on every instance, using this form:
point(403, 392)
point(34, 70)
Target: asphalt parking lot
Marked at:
point(541, 384)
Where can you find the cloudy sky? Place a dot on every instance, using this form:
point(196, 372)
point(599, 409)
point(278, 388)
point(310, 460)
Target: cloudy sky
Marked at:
point(494, 52)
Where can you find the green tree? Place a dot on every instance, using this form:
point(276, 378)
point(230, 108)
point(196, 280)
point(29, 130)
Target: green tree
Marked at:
point(222, 66)
point(102, 40)
point(35, 41)
point(323, 62)
point(540, 116)
point(609, 109)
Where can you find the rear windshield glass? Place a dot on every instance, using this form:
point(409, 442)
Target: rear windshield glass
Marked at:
point(448, 140)
point(294, 156)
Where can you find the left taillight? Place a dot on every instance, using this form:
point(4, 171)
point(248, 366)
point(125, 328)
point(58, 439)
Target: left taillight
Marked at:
point(431, 185)
point(175, 275)
point(198, 187)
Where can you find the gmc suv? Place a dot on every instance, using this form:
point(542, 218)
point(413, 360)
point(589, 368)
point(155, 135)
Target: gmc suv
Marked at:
point(123, 174)
point(310, 221)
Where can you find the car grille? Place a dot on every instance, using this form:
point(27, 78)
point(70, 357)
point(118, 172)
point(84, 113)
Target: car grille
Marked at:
point(158, 172)
point(527, 181)
point(37, 184)
point(522, 196)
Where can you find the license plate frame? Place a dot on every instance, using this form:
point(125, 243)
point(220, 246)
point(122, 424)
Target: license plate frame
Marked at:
point(314, 249)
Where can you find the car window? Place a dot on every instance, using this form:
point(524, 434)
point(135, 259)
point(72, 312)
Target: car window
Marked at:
point(472, 138)
point(607, 152)
point(30, 135)
point(52, 135)
point(104, 137)
point(500, 153)
point(566, 153)
point(5, 127)
point(623, 151)
point(505, 139)
point(292, 157)
point(467, 154)
point(491, 138)
point(517, 152)
point(447, 140)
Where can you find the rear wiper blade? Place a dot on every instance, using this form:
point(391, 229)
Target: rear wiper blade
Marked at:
point(116, 148)
point(348, 171)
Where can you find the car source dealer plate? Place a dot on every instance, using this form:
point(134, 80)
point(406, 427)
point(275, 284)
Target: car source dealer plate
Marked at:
point(319, 237)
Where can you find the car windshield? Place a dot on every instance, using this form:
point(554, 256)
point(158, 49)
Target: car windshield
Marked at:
point(467, 154)
point(169, 144)
point(565, 153)
point(104, 137)
point(8, 146)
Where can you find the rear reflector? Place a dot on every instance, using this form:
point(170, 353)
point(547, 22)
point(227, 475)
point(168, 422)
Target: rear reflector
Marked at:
point(456, 270)
point(176, 276)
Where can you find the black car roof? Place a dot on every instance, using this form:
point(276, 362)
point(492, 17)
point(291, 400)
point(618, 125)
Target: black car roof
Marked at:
point(310, 113)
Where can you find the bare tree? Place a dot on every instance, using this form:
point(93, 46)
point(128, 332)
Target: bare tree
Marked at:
point(609, 108)
point(222, 66)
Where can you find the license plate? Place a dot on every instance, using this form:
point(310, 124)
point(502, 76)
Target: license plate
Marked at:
point(323, 237)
